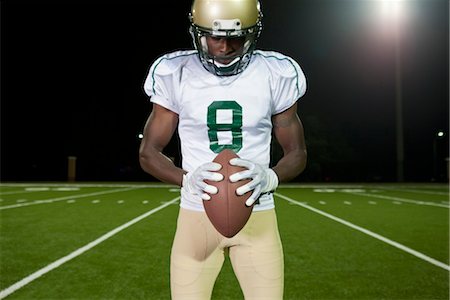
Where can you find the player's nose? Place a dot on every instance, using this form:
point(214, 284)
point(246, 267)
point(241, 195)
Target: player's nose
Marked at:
point(225, 46)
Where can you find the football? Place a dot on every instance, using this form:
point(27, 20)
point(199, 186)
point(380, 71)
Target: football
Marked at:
point(226, 210)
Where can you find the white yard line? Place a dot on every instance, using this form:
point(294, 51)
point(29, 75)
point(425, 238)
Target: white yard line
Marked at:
point(366, 186)
point(20, 284)
point(86, 185)
point(65, 198)
point(418, 202)
point(416, 191)
point(370, 233)
point(320, 186)
point(16, 192)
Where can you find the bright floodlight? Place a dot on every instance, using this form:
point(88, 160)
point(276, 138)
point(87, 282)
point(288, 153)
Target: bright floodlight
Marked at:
point(140, 135)
point(392, 13)
point(440, 134)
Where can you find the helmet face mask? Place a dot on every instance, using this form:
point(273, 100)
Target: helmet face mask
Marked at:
point(212, 19)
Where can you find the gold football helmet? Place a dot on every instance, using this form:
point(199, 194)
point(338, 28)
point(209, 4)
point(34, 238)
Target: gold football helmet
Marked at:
point(227, 19)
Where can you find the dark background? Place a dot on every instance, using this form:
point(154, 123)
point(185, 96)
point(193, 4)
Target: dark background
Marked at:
point(72, 77)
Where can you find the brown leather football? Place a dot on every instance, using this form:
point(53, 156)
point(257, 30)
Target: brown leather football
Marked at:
point(226, 210)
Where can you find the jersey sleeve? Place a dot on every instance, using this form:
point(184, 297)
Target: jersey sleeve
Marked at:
point(289, 84)
point(159, 84)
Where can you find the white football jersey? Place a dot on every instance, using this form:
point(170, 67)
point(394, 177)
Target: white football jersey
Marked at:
point(218, 112)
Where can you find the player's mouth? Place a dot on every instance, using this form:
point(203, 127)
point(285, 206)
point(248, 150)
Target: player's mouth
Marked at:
point(226, 60)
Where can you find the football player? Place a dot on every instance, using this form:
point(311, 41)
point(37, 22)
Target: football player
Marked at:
point(225, 94)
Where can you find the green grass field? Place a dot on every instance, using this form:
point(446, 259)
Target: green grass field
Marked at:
point(112, 241)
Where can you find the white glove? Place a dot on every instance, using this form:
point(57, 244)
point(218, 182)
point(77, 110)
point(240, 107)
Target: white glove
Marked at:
point(262, 179)
point(193, 182)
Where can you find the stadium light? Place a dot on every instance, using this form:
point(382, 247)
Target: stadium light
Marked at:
point(140, 136)
point(392, 12)
point(437, 136)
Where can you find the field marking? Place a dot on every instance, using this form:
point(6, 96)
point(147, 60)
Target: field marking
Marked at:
point(418, 202)
point(15, 192)
point(23, 282)
point(41, 189)
point(65, 198)
point(370, 233)
point(361, 186)
point(284, 186)
point(143, 185)
point(415, 191)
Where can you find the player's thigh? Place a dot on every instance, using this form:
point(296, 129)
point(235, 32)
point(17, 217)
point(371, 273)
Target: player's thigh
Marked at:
point(195, 259)
point(258, 258)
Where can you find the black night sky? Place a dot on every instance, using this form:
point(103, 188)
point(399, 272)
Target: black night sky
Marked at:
point(72, 75)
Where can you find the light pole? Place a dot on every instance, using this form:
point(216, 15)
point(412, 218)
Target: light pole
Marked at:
point(398, 96)
point(392, 10)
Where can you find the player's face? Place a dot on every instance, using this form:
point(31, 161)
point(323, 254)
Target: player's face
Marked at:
point(225, 49)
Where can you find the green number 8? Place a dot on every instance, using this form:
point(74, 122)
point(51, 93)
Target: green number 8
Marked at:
point(235, 127)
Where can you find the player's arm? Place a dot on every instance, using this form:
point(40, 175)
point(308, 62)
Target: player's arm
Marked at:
point(288, 130)
point(158, 131)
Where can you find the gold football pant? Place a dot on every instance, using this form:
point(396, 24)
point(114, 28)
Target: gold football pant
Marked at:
point(198, 253)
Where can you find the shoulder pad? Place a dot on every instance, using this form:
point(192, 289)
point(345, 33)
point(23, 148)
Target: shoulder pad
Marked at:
point(280, 64)
point(171, 62)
